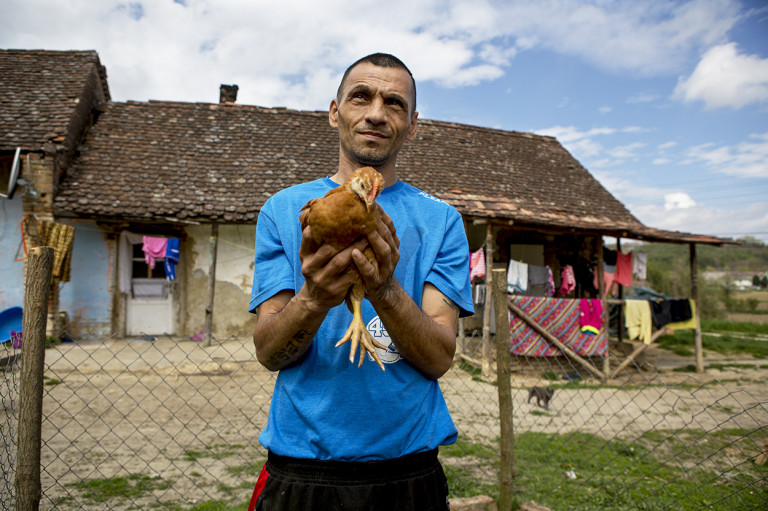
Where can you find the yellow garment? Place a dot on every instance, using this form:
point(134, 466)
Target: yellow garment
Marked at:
point(688, 324)
point(637, 319)
point(61, 237)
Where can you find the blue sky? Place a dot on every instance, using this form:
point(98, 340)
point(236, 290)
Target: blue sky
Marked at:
point(666, 103)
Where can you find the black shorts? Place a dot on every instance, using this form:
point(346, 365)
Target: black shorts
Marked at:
point(414, 482)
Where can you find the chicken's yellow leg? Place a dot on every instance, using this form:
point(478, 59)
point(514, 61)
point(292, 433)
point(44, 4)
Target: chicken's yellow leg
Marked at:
point(358, 334)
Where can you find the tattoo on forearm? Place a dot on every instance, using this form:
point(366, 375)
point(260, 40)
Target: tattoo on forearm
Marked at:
point(451, 305)
point(291, 348)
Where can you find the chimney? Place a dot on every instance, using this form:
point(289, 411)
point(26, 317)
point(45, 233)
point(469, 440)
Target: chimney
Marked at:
point(227, 93)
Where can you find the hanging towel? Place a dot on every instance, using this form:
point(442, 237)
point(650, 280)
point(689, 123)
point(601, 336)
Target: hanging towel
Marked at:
point(171, 258)
point(479, 294)
point(517, 277)
point(477, 265)
point(637, 319)
point(153, 247)
point(591, 315)
point(537, 276)
point(689, 324)
point(550, 289)
point(670, 311)
point(609, 277)
point(639, 265)
point(624, 269)
point(567, 280)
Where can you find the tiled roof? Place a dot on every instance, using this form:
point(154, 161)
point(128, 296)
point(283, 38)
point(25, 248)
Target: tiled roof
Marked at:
point(219, 162)
point(39, 94)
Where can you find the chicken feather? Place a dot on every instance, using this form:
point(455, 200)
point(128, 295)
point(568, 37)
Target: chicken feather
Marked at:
point(339, 218)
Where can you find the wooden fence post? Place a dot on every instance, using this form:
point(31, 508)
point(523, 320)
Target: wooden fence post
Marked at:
point(508, 469)
point(211, 283)
point(486, 370)
point(37, 287)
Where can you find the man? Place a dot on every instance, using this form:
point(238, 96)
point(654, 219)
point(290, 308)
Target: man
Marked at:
point(341, 436)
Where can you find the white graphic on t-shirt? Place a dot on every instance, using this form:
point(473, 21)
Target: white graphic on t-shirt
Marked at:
point(377, 330)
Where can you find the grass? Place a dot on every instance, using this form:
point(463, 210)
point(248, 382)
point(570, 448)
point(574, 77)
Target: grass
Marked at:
point(131, 487)
point(688, 469)
point(647, 474)
point(682, 341)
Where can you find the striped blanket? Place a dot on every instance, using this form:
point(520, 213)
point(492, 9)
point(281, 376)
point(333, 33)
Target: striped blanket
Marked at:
point(559, 317)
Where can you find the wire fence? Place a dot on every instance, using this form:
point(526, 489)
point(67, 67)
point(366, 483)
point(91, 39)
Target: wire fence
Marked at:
point(168, 423)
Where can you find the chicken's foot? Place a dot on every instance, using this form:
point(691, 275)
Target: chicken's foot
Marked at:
point(358, 334)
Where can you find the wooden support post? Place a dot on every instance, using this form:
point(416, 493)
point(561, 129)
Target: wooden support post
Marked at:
point(550, 338)
point(37, 290)
point(601, 291)
point(211, 282)
point(695, 297)
point(621, 297)
point(487, 371)
point(508, 469)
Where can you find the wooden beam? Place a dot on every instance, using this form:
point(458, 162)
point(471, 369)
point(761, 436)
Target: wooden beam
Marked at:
point(211, 283)
point(487, 371)
point(508, 469)
point(637, 351)
point(695, 297)
point(549, 337)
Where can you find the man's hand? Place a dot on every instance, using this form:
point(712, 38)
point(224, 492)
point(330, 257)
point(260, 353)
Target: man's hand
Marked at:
point(378, 278)
point(323, 268)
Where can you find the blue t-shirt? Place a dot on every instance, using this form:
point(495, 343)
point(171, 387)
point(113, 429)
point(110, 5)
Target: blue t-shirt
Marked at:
point(324, 407)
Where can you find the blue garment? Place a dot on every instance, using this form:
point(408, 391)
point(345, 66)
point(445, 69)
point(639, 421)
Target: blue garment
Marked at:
point(171, 258)
point(324, 407)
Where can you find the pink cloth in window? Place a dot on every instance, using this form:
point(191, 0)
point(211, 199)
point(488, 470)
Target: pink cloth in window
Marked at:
point(567, 280)
point(476, 265)
point(153, 247)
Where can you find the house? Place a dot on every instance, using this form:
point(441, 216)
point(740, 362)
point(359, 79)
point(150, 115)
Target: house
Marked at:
point(48, 101)
point(200, 172)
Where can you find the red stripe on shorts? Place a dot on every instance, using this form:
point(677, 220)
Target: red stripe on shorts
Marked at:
point(260, 482)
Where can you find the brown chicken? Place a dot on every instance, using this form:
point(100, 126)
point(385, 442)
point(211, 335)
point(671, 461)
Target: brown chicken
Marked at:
point(343, 215)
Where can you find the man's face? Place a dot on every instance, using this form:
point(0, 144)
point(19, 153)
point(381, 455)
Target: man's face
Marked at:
point(373, 114)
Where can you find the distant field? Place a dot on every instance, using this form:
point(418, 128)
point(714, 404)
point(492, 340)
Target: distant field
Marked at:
point(760, 315)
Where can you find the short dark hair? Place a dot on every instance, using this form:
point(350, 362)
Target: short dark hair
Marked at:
point(381, 60)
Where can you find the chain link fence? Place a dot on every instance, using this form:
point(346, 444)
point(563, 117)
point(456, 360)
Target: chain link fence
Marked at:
point(168, 423)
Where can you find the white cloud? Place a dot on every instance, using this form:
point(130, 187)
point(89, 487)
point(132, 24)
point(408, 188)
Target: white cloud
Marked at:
point(624, 152)
point(288, 53)
point(746, 159)
point(604, 109)
point(678, 200)
point(726, 78)
point(701, 219)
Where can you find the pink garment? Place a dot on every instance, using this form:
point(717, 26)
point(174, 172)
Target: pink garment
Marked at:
point(477, 265)
point(624, 269)
point(567, 280)
point(610, 280)
point(153, 247)
point(591, 315)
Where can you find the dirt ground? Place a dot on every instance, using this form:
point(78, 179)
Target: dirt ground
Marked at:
point(187, 416)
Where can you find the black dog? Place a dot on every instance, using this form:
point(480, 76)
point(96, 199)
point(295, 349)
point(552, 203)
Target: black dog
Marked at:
point(541, 394)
